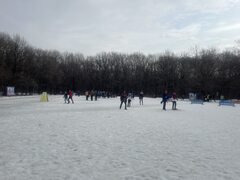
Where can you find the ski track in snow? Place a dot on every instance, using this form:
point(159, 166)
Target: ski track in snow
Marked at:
point(98, 141)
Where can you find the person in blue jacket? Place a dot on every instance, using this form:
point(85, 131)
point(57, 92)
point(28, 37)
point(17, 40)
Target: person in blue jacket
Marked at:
point(164, 99)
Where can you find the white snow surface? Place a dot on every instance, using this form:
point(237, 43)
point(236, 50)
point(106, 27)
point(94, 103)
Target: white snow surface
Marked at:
point(92, 140)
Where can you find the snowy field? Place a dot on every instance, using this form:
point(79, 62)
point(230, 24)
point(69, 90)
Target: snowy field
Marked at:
point(97, 141)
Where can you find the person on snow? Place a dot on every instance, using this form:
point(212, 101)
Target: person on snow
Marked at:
point(70, 95)
point(92, 95)
point(164, 99)
point(65, 96)
point(123, 99)
point(129, 101)
point(174, 101)
point(141, 98)
point(87, 95)
point(96, 95)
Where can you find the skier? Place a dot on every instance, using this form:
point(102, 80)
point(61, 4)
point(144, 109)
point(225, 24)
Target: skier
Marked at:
point(70, 95)
point(65, 96)
point(174, 101)
point(164, 99)
point(123, 99)
point(141, 98)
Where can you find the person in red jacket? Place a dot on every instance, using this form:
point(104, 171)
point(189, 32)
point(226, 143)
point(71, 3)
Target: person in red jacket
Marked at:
point(70, 95)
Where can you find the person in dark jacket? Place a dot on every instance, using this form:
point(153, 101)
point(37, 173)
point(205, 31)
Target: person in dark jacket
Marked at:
point(65, 96)
point(96, 95)
point(164, 99)
point(123, 99)
point(141, 98)
point(92, 95)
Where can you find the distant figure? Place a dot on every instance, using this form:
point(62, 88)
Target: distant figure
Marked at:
point(129, 95)
point(141, 98)
point(92, 95)
point(123, 99)
point(65, 96)
point(95, 95)
point(78, 93)
point(70, 95)
point(221, 97)
point(164, 99)
point(174, 101)
point(207, 98)
point(87, 95)
point(133, 95)
point(129, 102)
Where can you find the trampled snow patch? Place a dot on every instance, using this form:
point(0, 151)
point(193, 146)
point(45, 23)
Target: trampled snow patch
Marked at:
point(96, 140)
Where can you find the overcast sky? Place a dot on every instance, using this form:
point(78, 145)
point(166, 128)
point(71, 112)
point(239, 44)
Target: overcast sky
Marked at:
point(147, 26)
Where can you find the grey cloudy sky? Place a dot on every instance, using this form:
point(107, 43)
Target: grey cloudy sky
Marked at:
point(148, 26)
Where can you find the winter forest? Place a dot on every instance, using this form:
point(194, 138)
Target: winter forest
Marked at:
point(33, 70)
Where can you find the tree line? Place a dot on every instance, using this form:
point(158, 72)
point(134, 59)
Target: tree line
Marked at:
point(34, 70)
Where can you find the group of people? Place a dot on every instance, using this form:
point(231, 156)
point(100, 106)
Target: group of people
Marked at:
point(166, 97)
point(124, 99)
point(91, 94)
point(95, 94)
point(68, 96)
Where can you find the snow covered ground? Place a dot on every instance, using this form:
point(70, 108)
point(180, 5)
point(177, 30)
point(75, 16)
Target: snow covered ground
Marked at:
point(96, 140)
